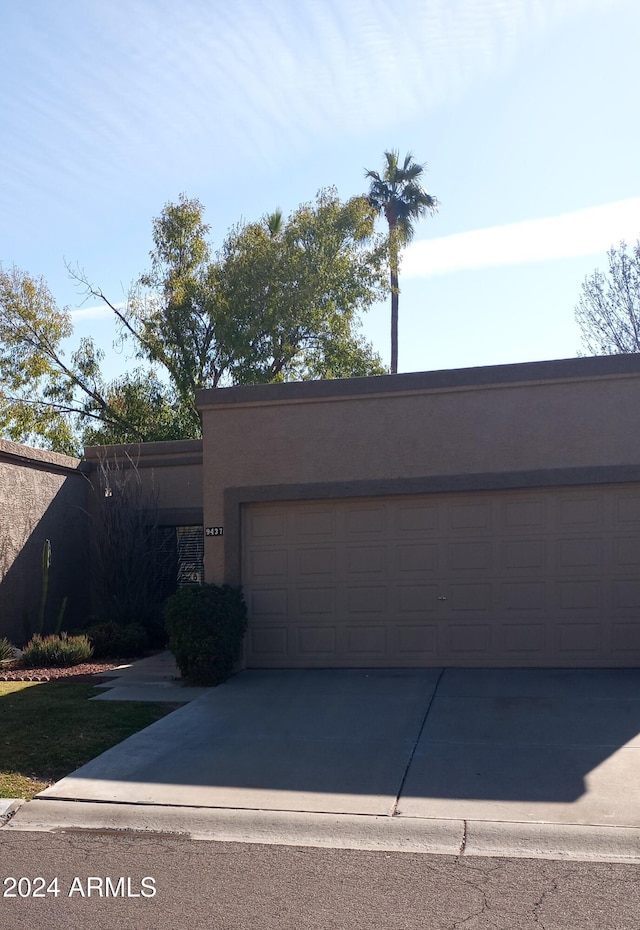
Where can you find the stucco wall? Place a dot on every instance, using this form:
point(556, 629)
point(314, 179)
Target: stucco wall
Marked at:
point(577, 419)
point(170, 474)
point(42, 496)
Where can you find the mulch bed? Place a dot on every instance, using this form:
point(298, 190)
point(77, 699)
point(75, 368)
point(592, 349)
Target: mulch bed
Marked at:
point(84, 672)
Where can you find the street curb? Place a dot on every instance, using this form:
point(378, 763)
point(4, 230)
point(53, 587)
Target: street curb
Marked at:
point(336, 831)
point(8, 808)
point(281, 828)
point(553, 841)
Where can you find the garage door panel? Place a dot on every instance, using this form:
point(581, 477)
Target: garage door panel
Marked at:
point(626, 593)
point(315, 522)
point(366, 560)
point(417, 598)
point(317, 641)
point(528, 516)
point(268, 563)
point(626, 639)
point(476, 555)
point(317, 601)
point(367, 640)
point(470, 638)
point(417, 641)
point(580, 554)
point(525, 596)
point(467, 597)
point(269, 643)
point(523, 555)
point(417, 558)
point(580, 512)
point(469, 517)
point(578, 638)
point(316, 561)
point(523, 639)
point(267, 602)
point(422, 519)
point(579, 595)
point(547, 576)
point(268, 525)
point(627, 508)
point(366, 599)
point(365, 521)
point(627, 552)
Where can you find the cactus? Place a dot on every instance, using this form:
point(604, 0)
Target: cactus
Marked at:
point(59, 618)
point(46, 565)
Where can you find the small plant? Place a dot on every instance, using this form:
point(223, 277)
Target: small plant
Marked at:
point(6, 650)
point(206, 624)
point(115, 641)
point(56, 650)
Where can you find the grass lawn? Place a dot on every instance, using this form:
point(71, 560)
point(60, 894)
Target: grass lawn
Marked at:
point(49, 729)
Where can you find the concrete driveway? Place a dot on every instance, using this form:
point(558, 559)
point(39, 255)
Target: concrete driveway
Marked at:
point(502, 748)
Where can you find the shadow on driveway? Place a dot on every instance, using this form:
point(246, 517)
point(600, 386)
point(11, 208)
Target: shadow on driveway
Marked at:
point(526, 745)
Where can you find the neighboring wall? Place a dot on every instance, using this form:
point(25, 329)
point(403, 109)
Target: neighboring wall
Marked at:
point(43, 495)
point(165, 480)
point(170, 475)
point(573, 421)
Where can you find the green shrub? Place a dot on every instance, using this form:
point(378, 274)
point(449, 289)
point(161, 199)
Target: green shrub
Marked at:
point(56, 650)
point(116, 641)
point(205, 624)
point(6, 650)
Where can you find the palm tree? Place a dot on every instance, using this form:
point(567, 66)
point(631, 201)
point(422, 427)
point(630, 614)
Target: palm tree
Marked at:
point(274, 222)
point(399, 195)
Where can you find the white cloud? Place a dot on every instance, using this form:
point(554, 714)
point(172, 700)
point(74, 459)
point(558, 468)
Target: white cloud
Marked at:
point(199, 81)
point(100, 312)
point(583, 232)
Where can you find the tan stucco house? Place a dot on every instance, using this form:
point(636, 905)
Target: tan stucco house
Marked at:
point(474, 517)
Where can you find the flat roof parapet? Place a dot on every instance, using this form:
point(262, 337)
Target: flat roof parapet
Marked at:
point(148, 454)
point(571, 369)
point(42, 459)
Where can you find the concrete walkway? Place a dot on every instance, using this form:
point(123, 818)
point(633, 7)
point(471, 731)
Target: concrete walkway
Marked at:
point(473, 762)
point(155, 678)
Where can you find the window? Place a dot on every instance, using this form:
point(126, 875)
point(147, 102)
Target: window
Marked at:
point(190, 550)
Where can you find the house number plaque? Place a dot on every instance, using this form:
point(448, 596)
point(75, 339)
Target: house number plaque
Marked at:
point(214, 531)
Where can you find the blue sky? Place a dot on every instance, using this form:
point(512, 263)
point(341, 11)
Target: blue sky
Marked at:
point(525, 112)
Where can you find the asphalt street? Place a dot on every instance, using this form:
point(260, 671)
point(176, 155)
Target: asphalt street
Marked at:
point(233, 886)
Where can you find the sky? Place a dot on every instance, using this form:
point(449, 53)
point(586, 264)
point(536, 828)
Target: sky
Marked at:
point(524, 112)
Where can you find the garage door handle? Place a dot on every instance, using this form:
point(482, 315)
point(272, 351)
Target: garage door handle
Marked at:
point(441, 597)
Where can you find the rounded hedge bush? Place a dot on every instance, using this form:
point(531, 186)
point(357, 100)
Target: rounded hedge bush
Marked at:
point(117, 641)
point(205, 625)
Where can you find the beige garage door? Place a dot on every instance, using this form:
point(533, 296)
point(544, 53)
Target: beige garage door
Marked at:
point(513, 578)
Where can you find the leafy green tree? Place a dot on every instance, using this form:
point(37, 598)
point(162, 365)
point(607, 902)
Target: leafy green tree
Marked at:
point(608, 312)
point(170, 315)
point(148, 409)
point(39, 386)
point(398, 194)
point(64, 403)
point(280, 300)
point(290, 293)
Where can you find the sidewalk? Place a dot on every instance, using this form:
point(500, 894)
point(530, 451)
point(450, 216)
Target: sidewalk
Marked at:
point(155, 678)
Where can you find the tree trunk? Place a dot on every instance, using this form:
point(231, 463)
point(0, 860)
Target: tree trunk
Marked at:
point(393, 262)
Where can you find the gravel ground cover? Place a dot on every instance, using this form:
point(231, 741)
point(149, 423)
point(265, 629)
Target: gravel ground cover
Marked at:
point(83, 672)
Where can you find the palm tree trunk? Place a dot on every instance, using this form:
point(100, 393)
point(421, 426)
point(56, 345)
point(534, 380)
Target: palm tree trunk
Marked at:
point(394, 322)
point(393, 262)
